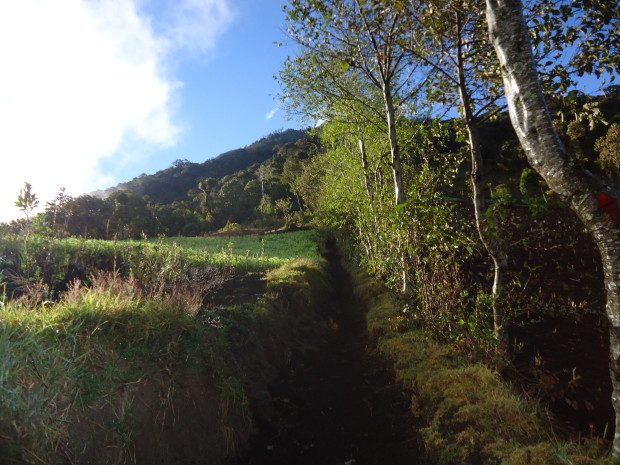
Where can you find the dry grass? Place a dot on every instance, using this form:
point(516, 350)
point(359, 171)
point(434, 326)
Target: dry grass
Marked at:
point(58, 360)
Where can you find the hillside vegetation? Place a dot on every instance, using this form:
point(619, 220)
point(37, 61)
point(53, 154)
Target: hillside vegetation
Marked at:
point(250, 185)
point(557, 323)
point(173, 183)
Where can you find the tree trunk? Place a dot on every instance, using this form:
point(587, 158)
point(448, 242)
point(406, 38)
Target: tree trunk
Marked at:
point(488, 235)
point(490, 240)
point(547, 155)
point(367, 184)
point(397, 169)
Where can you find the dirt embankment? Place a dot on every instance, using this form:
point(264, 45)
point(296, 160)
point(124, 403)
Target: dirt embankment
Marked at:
point(337, 402)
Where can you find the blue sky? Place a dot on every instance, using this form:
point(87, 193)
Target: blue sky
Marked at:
point(229, 95)
point(96, 92)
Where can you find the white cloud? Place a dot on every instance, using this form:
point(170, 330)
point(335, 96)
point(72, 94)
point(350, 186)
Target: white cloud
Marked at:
point(191, 24)
point(272, 113)
point(83, 80)
point(198, 23)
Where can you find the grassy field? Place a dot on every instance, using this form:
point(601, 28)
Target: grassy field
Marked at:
point(253, 252)
point(51, 261)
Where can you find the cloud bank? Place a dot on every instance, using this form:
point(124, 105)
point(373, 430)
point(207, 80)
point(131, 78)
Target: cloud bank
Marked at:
point(86, 80)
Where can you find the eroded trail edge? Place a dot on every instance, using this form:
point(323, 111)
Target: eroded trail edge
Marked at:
point(337, 401)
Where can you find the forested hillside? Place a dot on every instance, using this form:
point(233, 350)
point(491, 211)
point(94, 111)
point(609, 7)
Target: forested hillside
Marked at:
point(253, 185)
point(172, 184)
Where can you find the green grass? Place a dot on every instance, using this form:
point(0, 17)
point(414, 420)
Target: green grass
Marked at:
point(50, 261)
point(254, 252)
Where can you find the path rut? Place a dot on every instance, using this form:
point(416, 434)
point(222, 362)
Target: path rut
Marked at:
point(337, 403)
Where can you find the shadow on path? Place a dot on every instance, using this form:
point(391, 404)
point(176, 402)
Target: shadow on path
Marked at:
point(337, 403)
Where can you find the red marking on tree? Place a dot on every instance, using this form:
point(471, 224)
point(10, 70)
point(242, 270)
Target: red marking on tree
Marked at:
point(609, 205)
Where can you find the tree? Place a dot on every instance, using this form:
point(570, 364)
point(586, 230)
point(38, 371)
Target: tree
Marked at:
point(354, 68)
point(579, 188)
point(574, 38)
point(253, 193)
point(284, 207)
point(180, 163)
point(355, 48)
point(131, 217)
point(26, 202)
point(263, 173)
point(90, 217)
point(608, 147)
point(207, 197)
point(309, 184)
point(450, 38)
point(234, 200)
point(57, 213)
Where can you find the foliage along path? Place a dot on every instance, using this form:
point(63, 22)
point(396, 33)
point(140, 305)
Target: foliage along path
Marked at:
point(337, 403)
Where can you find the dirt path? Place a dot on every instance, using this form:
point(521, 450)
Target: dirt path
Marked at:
point(338, 403)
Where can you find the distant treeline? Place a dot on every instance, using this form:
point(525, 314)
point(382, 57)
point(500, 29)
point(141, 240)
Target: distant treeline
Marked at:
point(252, 184)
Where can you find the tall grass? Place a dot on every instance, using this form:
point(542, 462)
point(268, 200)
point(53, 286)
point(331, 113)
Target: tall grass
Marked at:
point(54, 263)
point(60, 361)
point(102, 334)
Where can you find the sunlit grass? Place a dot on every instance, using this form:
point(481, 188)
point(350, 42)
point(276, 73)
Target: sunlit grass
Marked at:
point(51, 260)
point(252, 252)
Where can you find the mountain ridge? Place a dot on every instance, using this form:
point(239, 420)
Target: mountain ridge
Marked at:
point(172, 183)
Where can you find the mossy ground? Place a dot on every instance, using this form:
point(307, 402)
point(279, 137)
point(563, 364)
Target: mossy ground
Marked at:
point(469, 415)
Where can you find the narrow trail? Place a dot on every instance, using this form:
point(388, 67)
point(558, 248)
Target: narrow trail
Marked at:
point(338, 403)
